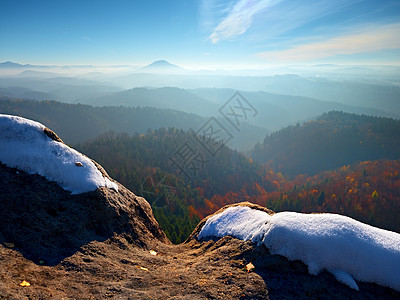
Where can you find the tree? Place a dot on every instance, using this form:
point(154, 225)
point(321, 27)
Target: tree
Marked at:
point(321, 198)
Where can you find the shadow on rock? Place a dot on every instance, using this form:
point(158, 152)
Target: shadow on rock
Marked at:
point(47, 224)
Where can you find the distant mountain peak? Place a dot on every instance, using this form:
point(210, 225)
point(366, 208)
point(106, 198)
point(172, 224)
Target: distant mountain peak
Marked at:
point(161, 66)
point(162, 62)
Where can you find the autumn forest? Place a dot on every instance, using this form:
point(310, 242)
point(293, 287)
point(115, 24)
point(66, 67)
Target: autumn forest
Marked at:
point(339, 163)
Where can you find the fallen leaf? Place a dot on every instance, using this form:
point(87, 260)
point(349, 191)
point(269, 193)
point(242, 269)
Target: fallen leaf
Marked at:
point(152, 252)
point(142, 268)
point(9, 245)
point(25, 283)
point(250, 267)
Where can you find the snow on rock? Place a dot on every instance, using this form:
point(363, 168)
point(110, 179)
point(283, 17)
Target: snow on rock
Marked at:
point(25, 146)
point(348, 249)
point(241, 222)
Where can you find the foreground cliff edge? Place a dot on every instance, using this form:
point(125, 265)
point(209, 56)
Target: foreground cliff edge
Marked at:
point(70, 231)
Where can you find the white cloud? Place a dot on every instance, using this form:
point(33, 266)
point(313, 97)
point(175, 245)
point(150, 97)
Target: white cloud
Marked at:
point(239, 19)
point(371, 40)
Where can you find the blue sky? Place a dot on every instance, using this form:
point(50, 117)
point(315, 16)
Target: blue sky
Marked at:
point(203, 33)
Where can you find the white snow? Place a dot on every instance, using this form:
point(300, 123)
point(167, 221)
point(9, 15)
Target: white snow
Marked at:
point(25, 146)
point(348, 249)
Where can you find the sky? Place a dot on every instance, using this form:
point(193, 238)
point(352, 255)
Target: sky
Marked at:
point(202, 33)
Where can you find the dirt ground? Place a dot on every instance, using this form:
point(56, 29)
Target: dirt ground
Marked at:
point(118, 269)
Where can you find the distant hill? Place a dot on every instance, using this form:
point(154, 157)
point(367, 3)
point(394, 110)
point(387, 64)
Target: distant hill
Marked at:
point(373, 95)
point(166, 97)
point(37, 74)
point(24, 93)
point(333, 140)
point(356, 93)
point(274, 110)
point(13, 65)
point(280, 100)
point(278, 110)
point(10, 65)
point(380, 92)
point(66, 89)
point(77, 123)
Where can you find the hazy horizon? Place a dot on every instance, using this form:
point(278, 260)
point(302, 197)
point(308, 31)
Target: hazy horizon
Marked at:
point(215, 34)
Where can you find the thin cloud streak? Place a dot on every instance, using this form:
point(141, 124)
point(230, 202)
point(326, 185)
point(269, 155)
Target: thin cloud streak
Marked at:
point(282, 20)
point(239, 19)
point(381, 38)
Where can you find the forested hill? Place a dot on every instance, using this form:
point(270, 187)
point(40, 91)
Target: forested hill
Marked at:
point(332, 140)
point(174, 172)
point(166, 150)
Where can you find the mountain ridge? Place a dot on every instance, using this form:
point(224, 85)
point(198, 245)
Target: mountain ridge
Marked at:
point(77, 123)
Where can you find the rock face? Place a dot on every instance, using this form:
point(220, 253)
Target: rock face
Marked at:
point(47, 223)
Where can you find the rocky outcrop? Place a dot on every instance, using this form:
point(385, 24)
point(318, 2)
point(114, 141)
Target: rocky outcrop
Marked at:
point(287, 279)
point(198, 228)
point(96, 245)
point(47, 224)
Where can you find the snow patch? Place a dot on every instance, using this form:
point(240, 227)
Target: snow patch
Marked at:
point(243, 223)
point(25, 146)
point(348, 249)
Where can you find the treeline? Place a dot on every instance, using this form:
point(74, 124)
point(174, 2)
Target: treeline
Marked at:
point(334, 139)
